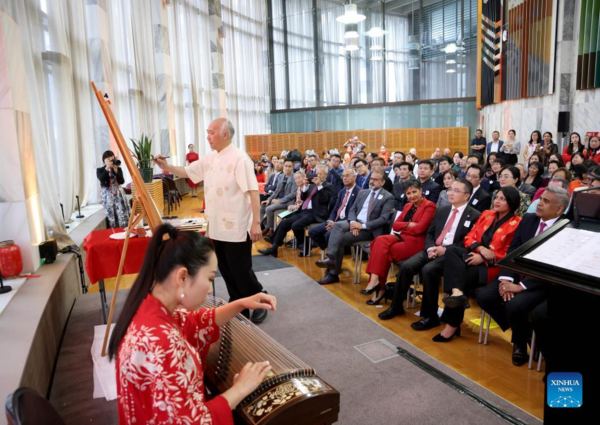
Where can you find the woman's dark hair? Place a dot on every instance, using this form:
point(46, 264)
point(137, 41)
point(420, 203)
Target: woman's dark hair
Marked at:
point(450, 171)
point(513, 132)
point(578, 171)
point(488, 163)
point(570, 147)
point(532, 155)
point(539, 140)
point(592, 152)
point(183, 249)
point(516, 173)
point(540, 167)
point(460, 154)
point(107, 154)
point(513, 199)
point(579, 154)
point(412, 183)
point(500, 161)
point(560, 159)
point(262, 168)
point(558, 164)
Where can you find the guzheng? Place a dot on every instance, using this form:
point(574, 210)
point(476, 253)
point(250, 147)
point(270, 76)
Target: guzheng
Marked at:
point(292, 393)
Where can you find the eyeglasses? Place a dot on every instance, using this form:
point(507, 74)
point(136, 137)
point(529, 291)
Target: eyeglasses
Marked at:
point(453, 189)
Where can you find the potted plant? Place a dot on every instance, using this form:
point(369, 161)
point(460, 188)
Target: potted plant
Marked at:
point(142, 150)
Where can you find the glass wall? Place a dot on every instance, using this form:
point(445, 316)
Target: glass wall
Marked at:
point(403, 50)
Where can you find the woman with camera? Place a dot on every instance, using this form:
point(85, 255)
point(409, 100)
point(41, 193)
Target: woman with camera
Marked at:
point(112, 194)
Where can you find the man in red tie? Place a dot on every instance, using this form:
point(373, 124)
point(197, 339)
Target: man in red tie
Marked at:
point(320, 234)
point(509, 299)
point(449, 227)
point(315, 198)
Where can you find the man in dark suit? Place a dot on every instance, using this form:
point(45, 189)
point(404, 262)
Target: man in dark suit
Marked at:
point(341, 210)
point(273, 181)
point(314, 209)
point(335, 176)
point(495, 145)
point(509, 299)
point(367, 220)
point(404, 173)
point(481, 200)
point(444, 163)
point(431, 190)
point(397, 158)
point(283, 196)
point(362, 171)
point(449, 227)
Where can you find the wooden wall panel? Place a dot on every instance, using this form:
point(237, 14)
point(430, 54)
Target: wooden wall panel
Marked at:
point(425, 140)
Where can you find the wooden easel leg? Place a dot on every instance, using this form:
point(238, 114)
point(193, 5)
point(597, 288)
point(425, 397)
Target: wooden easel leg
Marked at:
point(133, 221)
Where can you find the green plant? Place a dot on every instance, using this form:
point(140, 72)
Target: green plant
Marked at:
point(142, 150)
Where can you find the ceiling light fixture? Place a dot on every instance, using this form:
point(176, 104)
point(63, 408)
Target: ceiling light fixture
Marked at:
point(351, 45)
point(351, 31)
point(351, 15)
point(375, 32)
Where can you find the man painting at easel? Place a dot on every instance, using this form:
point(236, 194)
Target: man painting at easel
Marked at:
point(232, 209)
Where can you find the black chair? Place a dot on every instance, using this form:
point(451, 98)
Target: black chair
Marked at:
point(173, 191)
point(26, 406)
point(167, 198)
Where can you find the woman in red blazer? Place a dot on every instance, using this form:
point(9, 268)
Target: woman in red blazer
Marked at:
point(473, 265)
point(407, 238)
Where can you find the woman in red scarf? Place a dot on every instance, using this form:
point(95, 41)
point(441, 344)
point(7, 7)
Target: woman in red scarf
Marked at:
point(161, 339)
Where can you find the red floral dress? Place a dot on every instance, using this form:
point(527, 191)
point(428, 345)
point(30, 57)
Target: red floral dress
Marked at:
point(160, 373)
point(192, 157)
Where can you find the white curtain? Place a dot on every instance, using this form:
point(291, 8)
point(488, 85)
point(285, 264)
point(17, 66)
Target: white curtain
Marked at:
point(245, 51)
point(190, 56)
point(334, 67)
point(396, 58)
point(301, 54)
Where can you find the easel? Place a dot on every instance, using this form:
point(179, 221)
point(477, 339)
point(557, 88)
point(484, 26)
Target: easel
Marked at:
point(148, 208)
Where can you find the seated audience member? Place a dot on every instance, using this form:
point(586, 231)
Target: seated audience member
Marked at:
point(259, 172)
point(497, 165)
point(397, 158)
point(480, 199)
point(347, 159)
point(431, 190)
point(315, 199)
point(436, 155)
point(550, 148)
point(311, 162)
point(362, 171)
point(378, 164)
point(495, 145)
point(552, 167)
point(510, 176)
point(575, 145)
point(593, 149)
point(341, 210)
point(473, 265)
point(456, 158)
point(370, 157)
point(444, 163)
point(558, 157)
point(510, 298)
point(511, 148)
point(407, 238)
point(283, 196)
point(534, 175)
point(488, 164)
point(579, 177)
point(527, 189)
point(476, 159)
point(362, 155)
point(534, 158)
point(449, 227)
point(274, 179)
point(404, 173)
point(448, 178)
point(447, 151)
point(367, 219)
point(576, 159)
point(555, 182)
point(462, 172)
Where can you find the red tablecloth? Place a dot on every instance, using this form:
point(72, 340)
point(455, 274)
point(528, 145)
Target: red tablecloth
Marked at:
point(104, 254)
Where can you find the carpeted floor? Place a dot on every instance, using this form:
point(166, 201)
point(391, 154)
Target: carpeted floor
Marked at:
point(323, 331)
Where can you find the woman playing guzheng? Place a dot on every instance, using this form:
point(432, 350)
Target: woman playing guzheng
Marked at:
point(161, 339)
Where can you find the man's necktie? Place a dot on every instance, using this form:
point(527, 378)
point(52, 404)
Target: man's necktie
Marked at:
point(542, 228)
point(370, 207)
point(447, 228)
point(341, 208)
point(305, 205)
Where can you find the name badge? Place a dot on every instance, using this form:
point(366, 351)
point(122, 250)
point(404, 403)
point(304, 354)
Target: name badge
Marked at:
point(475, 201)
point(380, 197)
point(426, 192)
point(467, 223)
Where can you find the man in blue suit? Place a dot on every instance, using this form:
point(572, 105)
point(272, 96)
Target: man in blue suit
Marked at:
point(362, 170)
point(495, 145)
point(346, 197)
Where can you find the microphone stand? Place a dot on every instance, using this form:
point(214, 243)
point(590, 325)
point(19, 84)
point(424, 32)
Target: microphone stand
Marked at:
point(62, 208)
point(4, 289)
point(79, 208)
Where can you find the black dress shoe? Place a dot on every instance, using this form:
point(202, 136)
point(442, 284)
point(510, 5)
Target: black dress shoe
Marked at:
point(258, 316)
point(455, 301)
point(519, 356)
point(303, 254)
point(390, 313)
point(268, 239)
point(381, 294)
point(325, 264)
point(440, 338)
point(271, 251)
point(329, 278)
point(425, 324)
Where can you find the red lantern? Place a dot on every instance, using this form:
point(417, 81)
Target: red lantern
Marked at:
point(11, 261)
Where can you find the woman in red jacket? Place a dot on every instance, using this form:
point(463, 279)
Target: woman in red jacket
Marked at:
point(161, 339)
point(473, 265)
point(575, 146)
point(407, 238)
point(593, 149)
